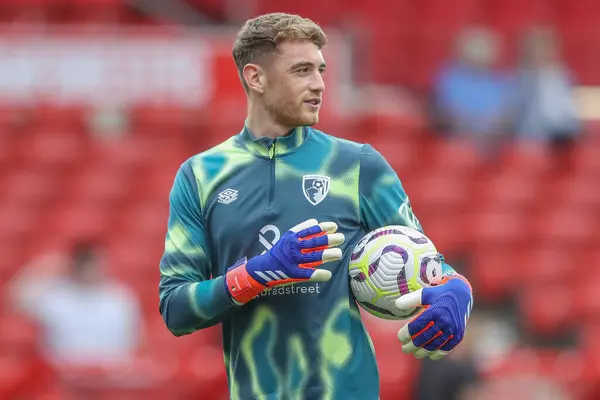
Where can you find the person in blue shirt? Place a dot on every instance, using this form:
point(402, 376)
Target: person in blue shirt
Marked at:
point(261, 228)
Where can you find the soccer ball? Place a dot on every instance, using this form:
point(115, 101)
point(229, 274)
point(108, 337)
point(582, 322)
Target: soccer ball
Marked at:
point(388, 263)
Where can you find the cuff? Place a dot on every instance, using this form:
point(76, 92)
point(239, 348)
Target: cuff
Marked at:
point(240, 285)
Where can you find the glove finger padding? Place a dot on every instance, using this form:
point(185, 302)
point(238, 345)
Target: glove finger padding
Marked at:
point(321, 241)
point(438, 341)
point(316, 258)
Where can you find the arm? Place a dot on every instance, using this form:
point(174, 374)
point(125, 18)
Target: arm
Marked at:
point(383, 200)
point(440, 327)
point(189, 299)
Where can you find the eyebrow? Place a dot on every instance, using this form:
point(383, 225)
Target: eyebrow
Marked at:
point(307, 64)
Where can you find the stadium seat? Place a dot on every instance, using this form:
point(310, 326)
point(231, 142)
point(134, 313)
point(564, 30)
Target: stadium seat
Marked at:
point(17, 221)
point(205, 370)
point(29, 186)
point(100, 185)
point(11, 258)
point(62, 117)
point(492, 269)
point(527, 159)
point(508, 190)
point(51, 149)
point(146, 220)
point(546, 308)
point(440, 189)
point(565, 226)
point(513, 17)
point(586, 160)
point(586, 299)
point(402, 155)
point(72, 220)
point(575, 191)
point(126, 154)
point(454, 156)
point(548, 264)
point(497, 226)
point(397, 371)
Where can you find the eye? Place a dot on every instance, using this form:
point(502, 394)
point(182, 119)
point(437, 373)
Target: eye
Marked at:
point(303, 70)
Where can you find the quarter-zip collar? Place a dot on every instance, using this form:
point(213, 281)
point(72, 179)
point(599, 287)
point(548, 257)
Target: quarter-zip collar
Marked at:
point(270, 148)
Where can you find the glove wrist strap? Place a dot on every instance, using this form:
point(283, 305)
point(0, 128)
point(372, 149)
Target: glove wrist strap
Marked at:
point(240, 285)
point(446, 278)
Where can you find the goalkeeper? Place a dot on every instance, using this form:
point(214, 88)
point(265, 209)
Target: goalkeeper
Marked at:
point(280, 205)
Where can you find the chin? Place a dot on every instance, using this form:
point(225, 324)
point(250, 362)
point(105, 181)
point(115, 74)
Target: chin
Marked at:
point(310, 120)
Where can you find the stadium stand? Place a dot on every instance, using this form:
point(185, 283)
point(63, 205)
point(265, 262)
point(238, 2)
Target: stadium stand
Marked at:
point(530, 228)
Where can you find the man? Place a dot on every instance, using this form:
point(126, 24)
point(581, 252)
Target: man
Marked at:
point(291, 329)
point(88, 319)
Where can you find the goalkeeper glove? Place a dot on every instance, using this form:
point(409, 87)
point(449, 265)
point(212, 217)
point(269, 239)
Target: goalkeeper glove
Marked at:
point(292, 259)
point(440, 327)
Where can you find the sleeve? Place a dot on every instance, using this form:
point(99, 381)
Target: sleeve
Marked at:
point(189, 299)
point(383, 200)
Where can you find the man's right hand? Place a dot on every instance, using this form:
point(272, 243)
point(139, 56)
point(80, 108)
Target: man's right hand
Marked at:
point(294, 258)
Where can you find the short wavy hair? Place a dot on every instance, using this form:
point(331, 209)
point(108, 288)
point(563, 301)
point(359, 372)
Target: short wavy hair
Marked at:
point(261, 35)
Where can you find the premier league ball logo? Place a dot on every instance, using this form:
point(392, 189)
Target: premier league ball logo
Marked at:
point(315, 188)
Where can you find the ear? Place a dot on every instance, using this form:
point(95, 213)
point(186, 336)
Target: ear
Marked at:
point(254, 77)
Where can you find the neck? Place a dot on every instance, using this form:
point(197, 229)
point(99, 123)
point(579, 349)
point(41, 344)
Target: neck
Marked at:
point(261, 123)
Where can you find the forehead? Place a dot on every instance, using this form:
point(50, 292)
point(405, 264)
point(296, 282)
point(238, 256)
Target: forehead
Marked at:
point(291, 52)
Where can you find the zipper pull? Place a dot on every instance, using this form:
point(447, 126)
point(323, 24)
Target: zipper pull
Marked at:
point(272, 150)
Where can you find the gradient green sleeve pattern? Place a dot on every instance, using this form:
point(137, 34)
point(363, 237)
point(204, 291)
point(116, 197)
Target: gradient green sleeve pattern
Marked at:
point(383, 200)
point(189, 299)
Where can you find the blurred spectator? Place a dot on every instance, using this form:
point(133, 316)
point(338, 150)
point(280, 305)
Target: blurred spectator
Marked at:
point(87, 319)
point(546, 106)
point(108, 122)
point(472, 98)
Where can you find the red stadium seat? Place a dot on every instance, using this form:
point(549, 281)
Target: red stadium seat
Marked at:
point(402, 155)
point(146, 220)
point(100, 185)
point(127, 154)
point(549, 264)
point(11, 258)
point(547, 308)
point(508, 190)
point(513, 17)
point(586, 299)
point(528, 159)
point(397, 372)
point(586, 160)
point(17, 222)
point(454, 156)
point(498, 226)
point(63, 117)
point(565, 226)
point(391, 126)
point(29, 186)
point(134, 259)
point(51, 149)
point(576, 191)
point(75, 220)
point(204, 369)
point(493, 270)
point(440, 189)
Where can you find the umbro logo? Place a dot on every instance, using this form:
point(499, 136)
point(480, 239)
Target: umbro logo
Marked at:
point(227, 196)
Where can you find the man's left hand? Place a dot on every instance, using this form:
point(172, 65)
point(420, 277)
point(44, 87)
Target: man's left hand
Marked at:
point(441, 324)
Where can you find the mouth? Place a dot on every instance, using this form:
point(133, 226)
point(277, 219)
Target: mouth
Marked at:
point(315, 103)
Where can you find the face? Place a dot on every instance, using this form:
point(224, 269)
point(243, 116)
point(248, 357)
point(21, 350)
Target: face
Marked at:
point(292, 84)
point(88, 272)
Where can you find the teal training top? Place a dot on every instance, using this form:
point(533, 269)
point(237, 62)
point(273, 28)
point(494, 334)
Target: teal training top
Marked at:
point(304, 341)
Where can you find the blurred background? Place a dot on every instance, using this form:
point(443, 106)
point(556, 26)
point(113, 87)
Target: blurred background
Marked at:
point(487, 109)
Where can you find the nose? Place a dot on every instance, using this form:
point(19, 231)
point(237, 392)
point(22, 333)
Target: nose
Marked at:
point(317, 83)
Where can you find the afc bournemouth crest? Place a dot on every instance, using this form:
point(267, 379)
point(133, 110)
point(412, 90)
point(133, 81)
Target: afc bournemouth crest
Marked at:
point(315, 188)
